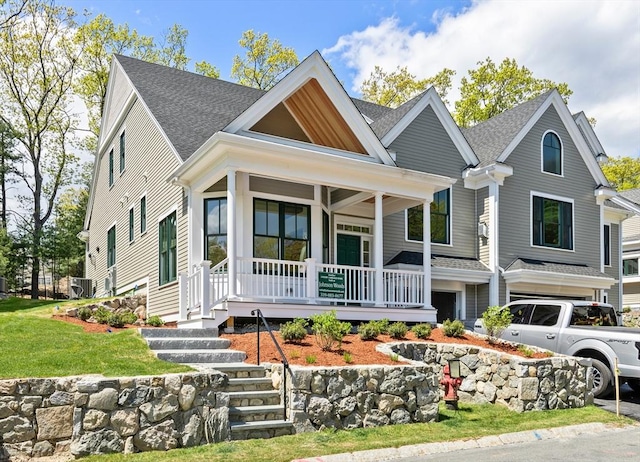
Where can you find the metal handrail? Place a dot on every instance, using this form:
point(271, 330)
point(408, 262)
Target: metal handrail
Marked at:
point(285, 363)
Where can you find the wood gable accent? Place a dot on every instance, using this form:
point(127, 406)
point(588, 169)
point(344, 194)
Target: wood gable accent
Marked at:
point(316, 120)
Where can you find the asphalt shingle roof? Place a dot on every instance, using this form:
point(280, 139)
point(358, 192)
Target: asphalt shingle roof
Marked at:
point(490, 138)
point(382, 126)
point(189, 107)
point(632, 195)
point(438, 261)
point(553, 267)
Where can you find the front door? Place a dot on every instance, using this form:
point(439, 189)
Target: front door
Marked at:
point(348, 250)
point(445, 303)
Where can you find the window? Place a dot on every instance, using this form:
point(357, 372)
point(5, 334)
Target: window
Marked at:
point(131, 220)
point(545, 315)
point(325, 237)
point(440, 219)
point(607, 245)
point(216, 230)
point(552, 223)
point(111, 167)
point(111, 246)
point(281, 230)
point(551, 154)
point(122, 152)
point(630, 267)
point(143, 214)
point(167, 235)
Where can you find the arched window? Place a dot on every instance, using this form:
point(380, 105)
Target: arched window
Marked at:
point(551, 154)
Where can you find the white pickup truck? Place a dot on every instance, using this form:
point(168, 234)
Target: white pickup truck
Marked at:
point(578, 328)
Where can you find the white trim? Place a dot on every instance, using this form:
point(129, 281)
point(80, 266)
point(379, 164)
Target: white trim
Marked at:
point(607, 224)
point(557, 279)
point(431, 98)
point(589, 134)
point(122, 132)
point(171, 209)
point(533, 194)
point(146, 213)
point(561, 174)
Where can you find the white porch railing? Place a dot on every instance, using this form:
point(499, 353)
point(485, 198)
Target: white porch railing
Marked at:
point(280, 281)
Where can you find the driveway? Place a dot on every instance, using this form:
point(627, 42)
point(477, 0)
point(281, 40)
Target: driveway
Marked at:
point(629, 403)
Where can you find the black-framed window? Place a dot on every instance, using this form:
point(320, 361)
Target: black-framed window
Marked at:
point(326, 233)
point(281, 230)
point(143, 214)
point(630, 267)
point(111, 246)
point(552, 223)
point(122, 152)
point(111, 167)
point(167, 249)
point(440, 219)
point(215, 216)
point(552, 154)
point(607, 245)
point(131, 224)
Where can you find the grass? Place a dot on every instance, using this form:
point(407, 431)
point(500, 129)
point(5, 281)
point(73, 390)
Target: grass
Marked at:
point(470, 421)
point(33, 344)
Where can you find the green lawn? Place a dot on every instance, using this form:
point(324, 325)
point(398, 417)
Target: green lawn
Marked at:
point(471, 421)
point(33, 344)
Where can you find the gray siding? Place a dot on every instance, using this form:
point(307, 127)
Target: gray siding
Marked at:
point(341, 194)
point(515, 200)
point(477, 304)
point(482, 201)
point(425, 146)
point(146, 151)
point(271, 186)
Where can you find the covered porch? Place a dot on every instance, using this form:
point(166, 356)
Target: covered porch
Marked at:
point(298, 229)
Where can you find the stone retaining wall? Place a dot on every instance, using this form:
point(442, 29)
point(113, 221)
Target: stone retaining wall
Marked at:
point(96, 415)
point(522, 384)
point(361, 396)
point(136, 304)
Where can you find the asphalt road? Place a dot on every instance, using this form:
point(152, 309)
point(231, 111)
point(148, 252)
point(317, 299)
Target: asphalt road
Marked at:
point(629, 403)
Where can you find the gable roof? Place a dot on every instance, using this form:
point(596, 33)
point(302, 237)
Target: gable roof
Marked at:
point(189, 107)
point(632, 195)
point(490, 138)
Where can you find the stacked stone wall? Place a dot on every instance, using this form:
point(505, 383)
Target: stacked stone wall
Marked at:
point(556, 382)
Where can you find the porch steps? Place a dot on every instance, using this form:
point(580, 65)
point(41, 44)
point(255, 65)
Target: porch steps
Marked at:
point(190, 346)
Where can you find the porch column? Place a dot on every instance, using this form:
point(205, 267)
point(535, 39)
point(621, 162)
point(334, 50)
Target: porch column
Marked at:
point(426, 251)
point(231, 231)
point(196, 229)
point(316, 225)
point(378, 260)
point(494, 263)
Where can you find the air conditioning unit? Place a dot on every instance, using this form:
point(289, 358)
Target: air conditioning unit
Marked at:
point(110, 281)
point(81, 288)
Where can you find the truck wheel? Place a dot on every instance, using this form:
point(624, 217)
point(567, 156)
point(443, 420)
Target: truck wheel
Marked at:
point(634, 384)
point(601, 379)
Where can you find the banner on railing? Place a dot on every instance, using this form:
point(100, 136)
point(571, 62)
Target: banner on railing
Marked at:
point(331, 285)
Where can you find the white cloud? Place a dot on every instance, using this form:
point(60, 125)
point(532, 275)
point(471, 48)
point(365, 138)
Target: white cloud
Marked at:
point(592, 46)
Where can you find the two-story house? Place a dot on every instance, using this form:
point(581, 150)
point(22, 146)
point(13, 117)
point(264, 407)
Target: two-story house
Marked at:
point(631, 252)
point(216, 199)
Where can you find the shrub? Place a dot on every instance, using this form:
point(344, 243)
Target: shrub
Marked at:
point(102, 315)
point(525, 350)
point(626, 309)
point(421, 330)
point(84, 313)
point(155, 321)
point(369, 331)
point(382, 325)
point(115, 320)
point(295, 354)
point(453, 328)
point(496, 319)
point(394, 357)
point(347, 357)
point(328, 330)
point(294, 331)
point(128, 317)
point(398, 330)
point(310, 359)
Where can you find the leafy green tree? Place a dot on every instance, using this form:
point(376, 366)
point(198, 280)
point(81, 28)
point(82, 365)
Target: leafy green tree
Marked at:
point(491, 90)
point(496, 319)
point(172, 51)
point(622, 172)
point(8, 159)
point(206, 69)
point(265, 61)
point(392, 89)
point(37, 65)
point(10, 11)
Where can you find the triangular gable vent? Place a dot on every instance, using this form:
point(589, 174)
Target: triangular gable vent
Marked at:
point(309, 115)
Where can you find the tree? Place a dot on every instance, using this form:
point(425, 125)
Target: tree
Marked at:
point(491, 90)
point(37, 64)
point(172, 52)
point(11, 10)
point(206, 69)
point(622, 172)
point(265, 61)
point(393, 89)
point(8, 158)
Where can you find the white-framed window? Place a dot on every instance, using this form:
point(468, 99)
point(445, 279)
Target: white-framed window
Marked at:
point(143, 214)
point(132, 233)
point(281, 230)
point(630, 266)
point(122, 151)
point(111, 168)
point(440, 219)
point(551, 153)
point(552, 221)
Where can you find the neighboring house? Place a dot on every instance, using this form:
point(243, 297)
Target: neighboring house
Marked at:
point(217, 199)
point(631, 252)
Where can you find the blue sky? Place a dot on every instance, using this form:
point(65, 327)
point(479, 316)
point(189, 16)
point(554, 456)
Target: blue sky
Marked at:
point(594, 46)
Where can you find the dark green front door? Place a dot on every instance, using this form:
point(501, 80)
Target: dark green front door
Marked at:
point(348, 250)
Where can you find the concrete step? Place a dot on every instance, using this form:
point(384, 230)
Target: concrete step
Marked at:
point(254, 398)
point(176, 343)
point(249, 384)
point(260, 429)
point(233, 370)
point(161, 332)
point(256, 413)
point(201, 356)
